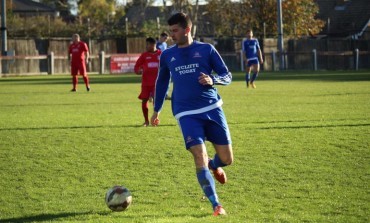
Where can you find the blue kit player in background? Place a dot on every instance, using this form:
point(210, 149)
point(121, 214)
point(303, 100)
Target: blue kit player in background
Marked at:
point(252, 57)
point(161, 43)
point(195, 103)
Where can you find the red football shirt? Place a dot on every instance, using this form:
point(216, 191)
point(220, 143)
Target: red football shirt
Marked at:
point(78, 52)
point(149, 63)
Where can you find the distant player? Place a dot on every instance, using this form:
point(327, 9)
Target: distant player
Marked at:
point(195, 103)
point(161, 44)
point(78, 54)
point(252, 57)
point(147, 66)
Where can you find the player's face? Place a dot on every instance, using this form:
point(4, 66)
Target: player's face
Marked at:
point(164, 38)
point(179, 35)
point(249, 35)
point(150, 47)
point(75, 39)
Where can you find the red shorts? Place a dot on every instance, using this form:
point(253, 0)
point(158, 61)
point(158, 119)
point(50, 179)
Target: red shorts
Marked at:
point(146, 92)
point(78, 68)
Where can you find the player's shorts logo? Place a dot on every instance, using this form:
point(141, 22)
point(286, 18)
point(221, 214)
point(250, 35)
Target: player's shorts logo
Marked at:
point(189, 139)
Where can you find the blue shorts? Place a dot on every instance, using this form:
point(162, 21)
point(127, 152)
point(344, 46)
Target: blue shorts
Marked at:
point(251, 62)
point(211, 126)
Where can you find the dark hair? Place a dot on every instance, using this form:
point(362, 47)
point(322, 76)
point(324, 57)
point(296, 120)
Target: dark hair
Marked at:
point(181, 19)
point(150, 40)
point(164, 34)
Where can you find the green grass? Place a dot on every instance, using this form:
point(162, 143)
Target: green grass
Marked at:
point(301, 144)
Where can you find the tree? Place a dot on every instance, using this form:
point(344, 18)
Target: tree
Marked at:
point(229, 18)
point(233, 18)
point(140, 24)
point(140, 7)
point(102, 16)
point(298, 17)
point(40, 27)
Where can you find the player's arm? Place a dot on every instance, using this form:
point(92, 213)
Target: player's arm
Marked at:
point(69, 54)
point(86, 52)
point(244, 53)
point(138, 65)
point(87, 56)
point(259, 52)
point(260, 56)
point(223, 76)
point(161, 84)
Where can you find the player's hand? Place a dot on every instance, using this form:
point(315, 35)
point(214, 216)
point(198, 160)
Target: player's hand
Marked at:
point(87, 61)
point(154, 120)
point(205, 79)
point(261, 61)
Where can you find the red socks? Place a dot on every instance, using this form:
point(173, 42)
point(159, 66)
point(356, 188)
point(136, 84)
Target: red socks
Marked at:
point(86, 79)
point(75, 82)
point(144, 107)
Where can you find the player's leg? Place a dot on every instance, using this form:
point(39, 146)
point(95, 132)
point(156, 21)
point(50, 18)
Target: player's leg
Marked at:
point(217, 132)
point(83, 72)
point(193, 132)
point(74, 82)
point(255, 70)
point(87, 82)
point(74, 72)
point(144, 97)
point(223, 157)
point(151, 94)
point(248, 75)
point(205, 179)
point(145, 109)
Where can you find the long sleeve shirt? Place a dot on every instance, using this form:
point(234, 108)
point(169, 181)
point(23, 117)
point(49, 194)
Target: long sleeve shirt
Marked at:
point(183, 66)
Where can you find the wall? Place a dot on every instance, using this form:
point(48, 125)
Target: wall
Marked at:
point(31, 54)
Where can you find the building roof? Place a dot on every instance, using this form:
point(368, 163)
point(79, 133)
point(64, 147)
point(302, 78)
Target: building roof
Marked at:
point(31, 7)
point(344, 18)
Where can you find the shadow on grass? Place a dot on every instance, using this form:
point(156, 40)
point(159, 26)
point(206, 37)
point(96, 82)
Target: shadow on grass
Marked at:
point(237, 76)
point(60, 104)
point(301, 121)
point(294, 124)
point(309, 75)
point(94, 79)
point(48, 217)
point(81, 127)
point(59, 216)
point(315, 126)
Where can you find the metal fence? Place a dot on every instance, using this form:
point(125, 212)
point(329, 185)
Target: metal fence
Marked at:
point(31, 57)
point(100, 64)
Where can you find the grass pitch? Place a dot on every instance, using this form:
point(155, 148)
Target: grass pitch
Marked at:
point(301, 144)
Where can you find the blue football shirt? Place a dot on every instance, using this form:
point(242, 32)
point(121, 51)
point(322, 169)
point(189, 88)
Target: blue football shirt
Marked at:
point(250, 48)
point(183, 66)
point(161, 46)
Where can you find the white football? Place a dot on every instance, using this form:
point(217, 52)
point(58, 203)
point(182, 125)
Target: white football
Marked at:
point(118, 198)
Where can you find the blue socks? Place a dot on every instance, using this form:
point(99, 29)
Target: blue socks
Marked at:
point(216, 162)
point(247, 77)
point(254, 77)
point(207, 184)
